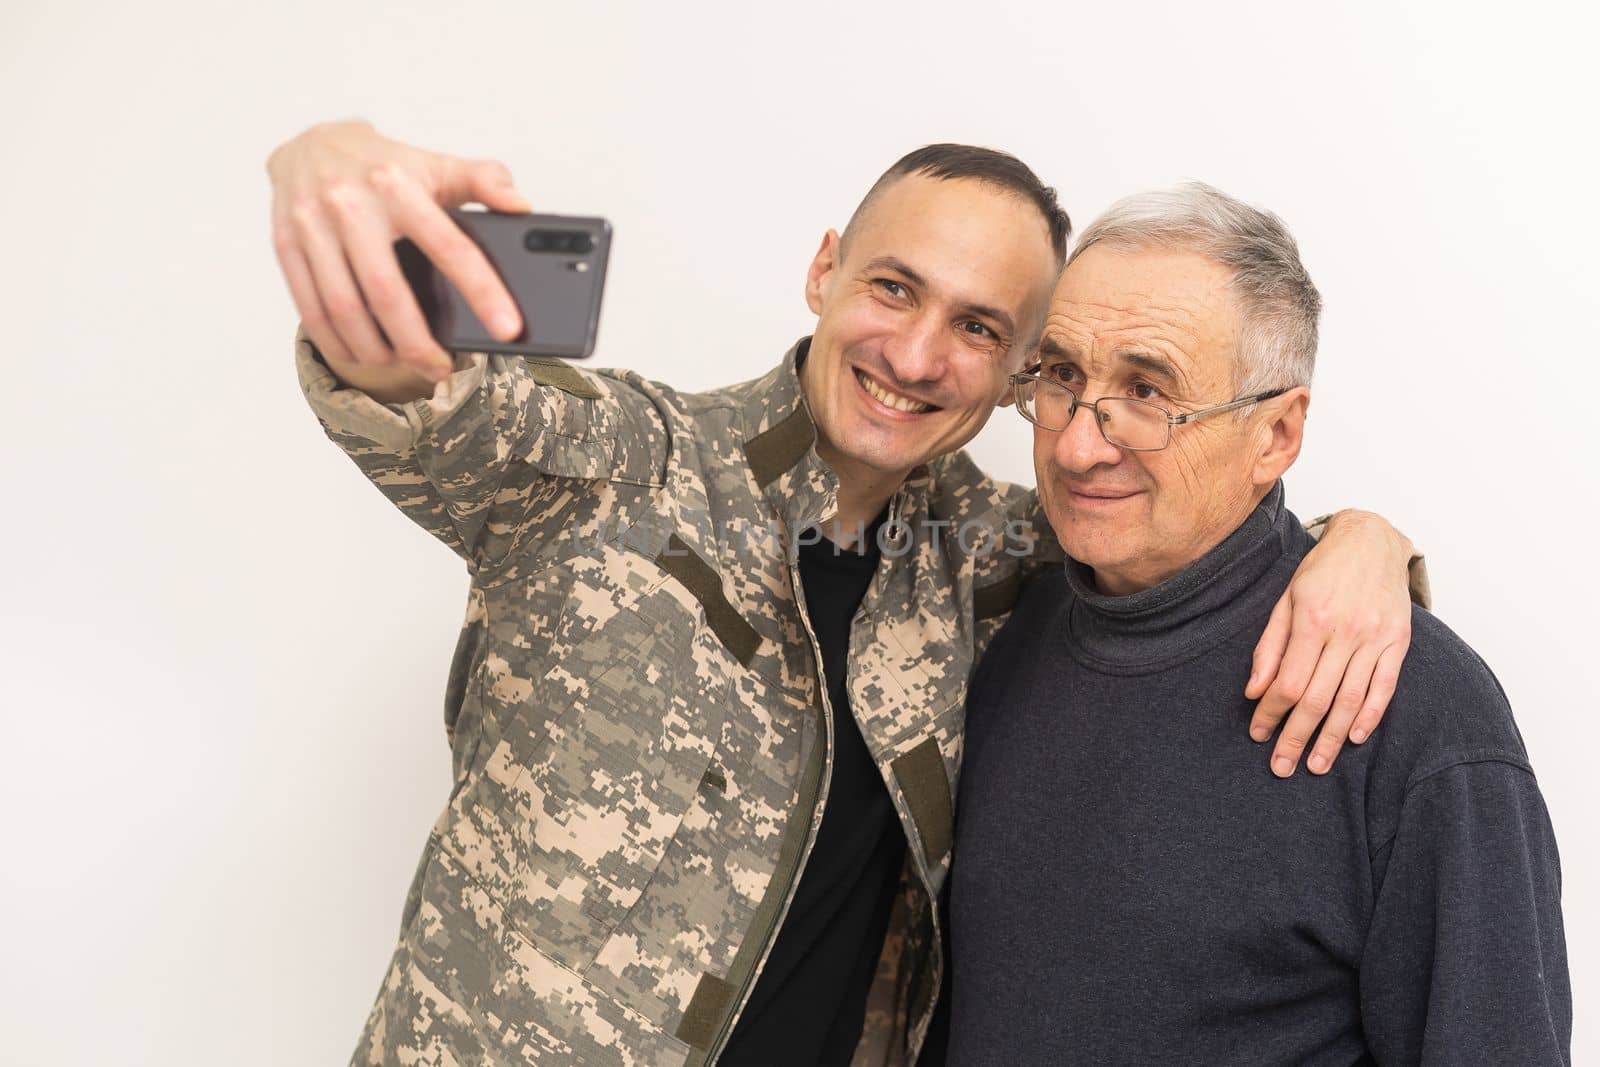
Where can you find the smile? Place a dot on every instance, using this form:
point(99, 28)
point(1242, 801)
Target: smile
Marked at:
point(1100, 499)
point(892, 400)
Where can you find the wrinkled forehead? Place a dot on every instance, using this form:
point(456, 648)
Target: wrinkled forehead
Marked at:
point(1115, 300)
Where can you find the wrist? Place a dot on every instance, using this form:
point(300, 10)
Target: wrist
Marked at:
point(1359, 523)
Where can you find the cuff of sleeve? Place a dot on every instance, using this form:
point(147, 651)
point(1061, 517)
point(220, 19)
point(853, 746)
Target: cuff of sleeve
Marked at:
point(396, 427)
point(1417, 581)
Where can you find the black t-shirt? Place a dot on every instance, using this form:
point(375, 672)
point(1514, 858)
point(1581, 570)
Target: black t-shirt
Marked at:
point(809, 1004)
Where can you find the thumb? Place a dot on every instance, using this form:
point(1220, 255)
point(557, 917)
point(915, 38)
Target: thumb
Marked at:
point(1269, 650)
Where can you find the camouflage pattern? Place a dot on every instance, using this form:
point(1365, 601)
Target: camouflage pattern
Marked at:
point(640, 741)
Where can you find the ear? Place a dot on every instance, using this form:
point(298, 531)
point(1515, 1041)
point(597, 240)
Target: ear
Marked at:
point(1285, 431)
point(1008, 395)
point(1022, 357)
point(820, 273)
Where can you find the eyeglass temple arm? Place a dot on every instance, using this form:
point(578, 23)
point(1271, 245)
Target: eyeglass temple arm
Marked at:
point(1254, 398)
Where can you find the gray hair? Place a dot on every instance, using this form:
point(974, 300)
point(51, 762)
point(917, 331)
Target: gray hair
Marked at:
point(1277, 302)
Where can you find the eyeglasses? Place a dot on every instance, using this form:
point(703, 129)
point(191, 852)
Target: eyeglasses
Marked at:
point(1135, 425)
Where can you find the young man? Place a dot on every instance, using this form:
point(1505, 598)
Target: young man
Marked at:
point(704, 757)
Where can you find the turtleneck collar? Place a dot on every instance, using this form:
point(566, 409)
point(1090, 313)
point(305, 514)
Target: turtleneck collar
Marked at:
point(1189, 613)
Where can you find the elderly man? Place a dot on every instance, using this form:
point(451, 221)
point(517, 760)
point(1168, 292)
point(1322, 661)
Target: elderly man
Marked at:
point(1169, 902)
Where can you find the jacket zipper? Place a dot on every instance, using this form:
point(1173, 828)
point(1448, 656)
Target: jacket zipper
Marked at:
point(770, 936)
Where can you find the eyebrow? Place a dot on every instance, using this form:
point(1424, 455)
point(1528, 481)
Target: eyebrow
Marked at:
point(1155, 366)
point(902, 268)
point(1050, 348)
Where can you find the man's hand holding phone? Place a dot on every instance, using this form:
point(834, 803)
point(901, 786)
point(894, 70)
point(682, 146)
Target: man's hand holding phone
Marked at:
point(342, 195)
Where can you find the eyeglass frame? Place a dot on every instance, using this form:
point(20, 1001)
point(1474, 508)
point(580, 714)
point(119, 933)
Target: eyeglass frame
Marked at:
point(1019, 378)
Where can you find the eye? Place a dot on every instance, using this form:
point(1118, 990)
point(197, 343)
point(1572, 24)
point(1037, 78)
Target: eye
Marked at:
point(1065, 373)
point(974, 328)
point(1146, 391)
point(891, 288)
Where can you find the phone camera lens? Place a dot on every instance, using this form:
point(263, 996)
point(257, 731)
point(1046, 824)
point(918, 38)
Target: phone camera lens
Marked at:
point(571, 242)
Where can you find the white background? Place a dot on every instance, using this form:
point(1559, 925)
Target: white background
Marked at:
point(224, 653)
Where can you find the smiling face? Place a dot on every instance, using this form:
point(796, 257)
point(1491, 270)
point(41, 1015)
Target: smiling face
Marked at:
point(921, 318)
point(1158, 325)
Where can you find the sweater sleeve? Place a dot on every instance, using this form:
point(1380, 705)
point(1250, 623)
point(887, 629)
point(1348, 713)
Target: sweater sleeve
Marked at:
point(1466, 960)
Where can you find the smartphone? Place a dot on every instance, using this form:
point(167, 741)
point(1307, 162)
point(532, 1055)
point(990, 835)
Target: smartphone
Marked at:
point(554, 266)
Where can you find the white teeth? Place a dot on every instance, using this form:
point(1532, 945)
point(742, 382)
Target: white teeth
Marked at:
point(893, 400)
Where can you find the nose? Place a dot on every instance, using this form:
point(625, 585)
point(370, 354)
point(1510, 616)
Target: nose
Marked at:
point(918, 350)
point(1081, 447)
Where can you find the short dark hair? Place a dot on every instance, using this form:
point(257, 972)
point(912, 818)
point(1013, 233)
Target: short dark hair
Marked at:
point(1000, 169)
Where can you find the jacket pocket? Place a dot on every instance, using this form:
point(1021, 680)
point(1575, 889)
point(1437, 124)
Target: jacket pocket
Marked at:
point(576, 819)
point(698, 909)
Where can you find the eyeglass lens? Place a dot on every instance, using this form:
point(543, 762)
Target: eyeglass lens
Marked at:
point(1124, 422)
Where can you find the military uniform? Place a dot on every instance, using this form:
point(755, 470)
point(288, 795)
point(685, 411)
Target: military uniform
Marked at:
point(640, 746)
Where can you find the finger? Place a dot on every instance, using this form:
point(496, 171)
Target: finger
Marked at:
point(303, 290)
point(452, 252)
point(1294, 673)
point(484, 181)
point(366, 239)
point(1384, 679)
point(1346, 706)
point(493, 187)
point(336, 287)
point(1269, 650)
point(1310, 709)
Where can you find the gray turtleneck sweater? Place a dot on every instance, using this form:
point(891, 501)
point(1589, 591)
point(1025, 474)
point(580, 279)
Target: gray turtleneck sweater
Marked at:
point(1132, 885)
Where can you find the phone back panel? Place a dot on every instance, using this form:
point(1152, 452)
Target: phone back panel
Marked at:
point(554, 266)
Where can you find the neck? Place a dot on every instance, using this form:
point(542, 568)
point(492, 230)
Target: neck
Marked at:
point(863, 494)
point(1205, 603)
point(863, 491)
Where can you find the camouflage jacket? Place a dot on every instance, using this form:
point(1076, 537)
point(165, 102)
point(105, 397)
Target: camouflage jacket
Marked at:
point(640, 742)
